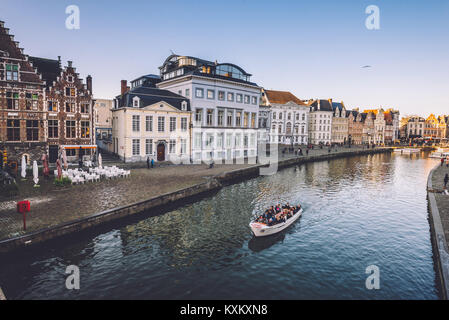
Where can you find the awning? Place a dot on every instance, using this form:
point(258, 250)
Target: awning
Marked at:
point(72, 146)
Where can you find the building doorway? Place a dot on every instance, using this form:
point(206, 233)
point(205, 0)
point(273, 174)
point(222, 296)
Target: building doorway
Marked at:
point(53, 153)
point(161, 152)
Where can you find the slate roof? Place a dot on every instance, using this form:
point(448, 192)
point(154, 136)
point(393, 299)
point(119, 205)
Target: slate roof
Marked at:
point(282, 97)
point(364, 116)
point(49, 68)
point(149, 96)
point(325, 105)
point(337, 106)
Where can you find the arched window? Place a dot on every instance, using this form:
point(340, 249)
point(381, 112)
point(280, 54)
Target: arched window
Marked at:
point(289, 129)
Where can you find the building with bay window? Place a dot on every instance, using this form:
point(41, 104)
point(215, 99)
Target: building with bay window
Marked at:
point(224, 102)
point(148, 122)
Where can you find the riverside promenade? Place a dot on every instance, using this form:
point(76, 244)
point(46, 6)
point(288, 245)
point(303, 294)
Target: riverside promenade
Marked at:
point(439, 224)
point(57, 211)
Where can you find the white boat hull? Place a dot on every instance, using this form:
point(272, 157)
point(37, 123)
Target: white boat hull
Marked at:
point(407, 150)
point(262, 230)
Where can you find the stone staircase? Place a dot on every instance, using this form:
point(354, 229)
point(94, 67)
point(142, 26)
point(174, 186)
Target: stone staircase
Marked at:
point(108, 157)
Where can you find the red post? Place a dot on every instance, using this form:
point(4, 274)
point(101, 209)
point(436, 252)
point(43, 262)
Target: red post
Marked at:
point(23, 207)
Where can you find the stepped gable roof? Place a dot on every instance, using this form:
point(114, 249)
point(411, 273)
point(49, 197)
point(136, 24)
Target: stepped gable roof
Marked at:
point(9, 49)
point(388, 118)
point(282, 97)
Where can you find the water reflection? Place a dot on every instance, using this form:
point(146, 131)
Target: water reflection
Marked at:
point(357, 211)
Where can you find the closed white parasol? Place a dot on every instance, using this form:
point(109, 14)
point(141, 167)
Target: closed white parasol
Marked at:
point(64, 158)
point(35, 173)
point(100, 161)
point(24, 167)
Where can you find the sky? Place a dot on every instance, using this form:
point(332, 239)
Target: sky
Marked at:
point(315, 49)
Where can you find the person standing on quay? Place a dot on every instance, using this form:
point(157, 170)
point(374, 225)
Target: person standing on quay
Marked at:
point(446, 179)
point(148, 162)
point(152, 163)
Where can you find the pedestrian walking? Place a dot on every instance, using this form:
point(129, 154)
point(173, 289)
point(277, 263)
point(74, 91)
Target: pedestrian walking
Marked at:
point(148, 162)
point(442, 161)
point(152, 163)
point(446, 179)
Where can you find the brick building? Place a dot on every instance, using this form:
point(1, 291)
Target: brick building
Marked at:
point(22, 103)
point(69, 107)
point(355, 127)
point(42, 106)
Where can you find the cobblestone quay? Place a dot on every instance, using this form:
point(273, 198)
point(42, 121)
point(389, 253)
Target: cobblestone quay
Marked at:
point(439, 224)
point(56, 212)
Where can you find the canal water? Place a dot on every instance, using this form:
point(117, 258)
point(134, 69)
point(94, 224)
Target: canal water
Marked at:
point(359, 211)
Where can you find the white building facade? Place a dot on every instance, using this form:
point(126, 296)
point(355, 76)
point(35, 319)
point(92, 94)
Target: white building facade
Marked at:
point(150, 123)
point(224, 103)
point(379, 127)
point(289, 117)
point(320, 122)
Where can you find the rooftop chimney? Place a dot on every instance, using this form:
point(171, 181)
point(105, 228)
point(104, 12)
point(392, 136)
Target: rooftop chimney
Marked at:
point(89, 83)
point(70, 63)
point(124, 87)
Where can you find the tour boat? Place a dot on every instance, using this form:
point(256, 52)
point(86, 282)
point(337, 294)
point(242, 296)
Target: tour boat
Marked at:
point(440, 153)
point(263, 230)
point(407, 150)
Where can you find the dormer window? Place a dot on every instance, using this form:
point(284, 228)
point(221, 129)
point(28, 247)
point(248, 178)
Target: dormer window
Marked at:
point(184, 106)
point(136, 102)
